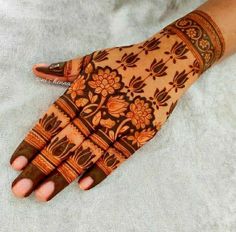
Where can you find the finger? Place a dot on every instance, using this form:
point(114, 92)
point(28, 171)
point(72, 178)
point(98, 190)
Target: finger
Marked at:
point(81, 159)
point(52, 122)
point(59, 149)
point(66, 71)
point(113, 158)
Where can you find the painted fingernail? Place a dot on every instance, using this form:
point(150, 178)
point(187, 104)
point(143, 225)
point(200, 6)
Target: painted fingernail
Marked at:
point(41, 67)
point(19, 163)
point(86, 182)
point(22, 187)
point(54, 69)
point(45, 191)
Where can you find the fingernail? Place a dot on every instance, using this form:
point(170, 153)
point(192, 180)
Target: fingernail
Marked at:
point(41, 67)
point(86, 182)
point(45, 191)
point(54, 69)
point(22, 187)
point(19, 163)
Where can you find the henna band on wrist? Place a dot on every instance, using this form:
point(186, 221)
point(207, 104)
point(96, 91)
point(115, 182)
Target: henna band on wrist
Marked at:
point(202, 36)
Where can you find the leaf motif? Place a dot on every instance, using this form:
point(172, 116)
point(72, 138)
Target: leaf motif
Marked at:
point(123, 129)
point(87, 111)
point(90, 96)
point(94, 98)
point(108, 123)
point(89, 69)
point(112, 135)
point(97, 118)
point(81, 102)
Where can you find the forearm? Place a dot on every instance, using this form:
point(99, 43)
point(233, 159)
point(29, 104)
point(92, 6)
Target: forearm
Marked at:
point(224, 15)
point(209, 31)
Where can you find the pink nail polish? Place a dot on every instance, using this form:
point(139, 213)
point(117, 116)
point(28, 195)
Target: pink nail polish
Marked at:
point(45, 191)
point(22, 187)
point(86, 182)
point(19, 163)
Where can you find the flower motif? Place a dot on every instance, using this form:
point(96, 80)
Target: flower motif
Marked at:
point(105, 81)
point(204, 43)
point(87, 65)
point(128, 60)
point(60, 147)
point(158, 126)
point(161, 97)
point(183, 22)
point(83, 157)
point(110, 159)
point(81, 102)
point(207, 57)
point(167, 32)
point(116, 106)
point(179, 80)
point(140, 113)
point(77, 88)
point(150, 45)
point(101, 56)
point(140, 138)
point(191, 32)
point(136, 85)
point(108, 123)
point(157, 69)
point(50, 123)
point(195, 67)
point(124, 47)
point(172, 107)
point(178, 51)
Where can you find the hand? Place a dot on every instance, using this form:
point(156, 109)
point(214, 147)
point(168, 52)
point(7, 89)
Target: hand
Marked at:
point(119, 99)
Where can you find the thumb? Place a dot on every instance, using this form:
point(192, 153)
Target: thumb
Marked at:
point(66, 71)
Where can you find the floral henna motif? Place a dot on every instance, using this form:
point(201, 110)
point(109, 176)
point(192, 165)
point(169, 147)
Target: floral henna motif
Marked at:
point(140, 113)
point(116, 106)
point(178, 52)
point(128, 60)
point(140, 138)
point(136, 85)
point(77, 88)
point(150, 45)
point(202, 36)
point(101, 56)
point(172, 107)
point(160, 98)
point(105, 81)
point(157, 69)
point(179, 80)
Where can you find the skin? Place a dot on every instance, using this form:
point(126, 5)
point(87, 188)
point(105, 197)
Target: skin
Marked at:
point(222, 13)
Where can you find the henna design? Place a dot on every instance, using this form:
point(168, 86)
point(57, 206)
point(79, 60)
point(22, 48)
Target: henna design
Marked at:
point(172, 107)
point(150, 45)
point(195, 67)
point(136, 85)
point(116, 106)
point(179, 80)
point(128, 60)
point(157, 69)
point(119, 100)
point(60, 147)
point(83, 157)
point(101, 56)
point(105, 81)
point(160, 98)
point(202, 36)
point(178, 52)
